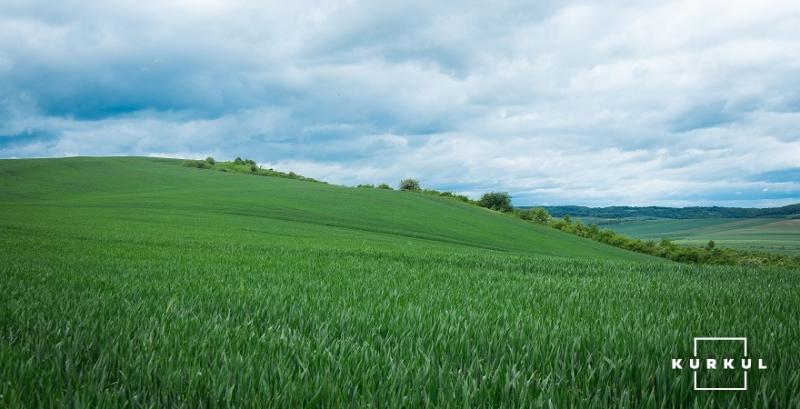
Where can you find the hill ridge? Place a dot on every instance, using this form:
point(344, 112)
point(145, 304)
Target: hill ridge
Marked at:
point(122, 195)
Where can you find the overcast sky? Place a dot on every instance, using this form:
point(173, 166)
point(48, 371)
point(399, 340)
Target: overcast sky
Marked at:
point(639, 103)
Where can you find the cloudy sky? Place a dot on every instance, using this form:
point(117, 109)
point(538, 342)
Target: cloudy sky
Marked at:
point(557, 102)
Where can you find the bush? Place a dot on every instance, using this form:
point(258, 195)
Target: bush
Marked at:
point(210, 160)
point(540, 215)
point(409, 184)
point(201, 164)
point(500, 201)
point(238, 161)
point(384, 186)
point(366, 185)
point(536, 214)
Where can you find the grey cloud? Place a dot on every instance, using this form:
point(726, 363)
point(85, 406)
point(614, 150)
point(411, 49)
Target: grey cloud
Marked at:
point(652, 102)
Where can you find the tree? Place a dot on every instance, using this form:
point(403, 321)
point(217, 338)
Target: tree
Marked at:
point(540, 215)
point(500, 201)
point(409, 184)
point(238, 161)
point(210, 160)
point(710, 245)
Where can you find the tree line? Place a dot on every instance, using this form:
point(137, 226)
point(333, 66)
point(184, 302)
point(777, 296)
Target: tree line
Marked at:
point(240, 165)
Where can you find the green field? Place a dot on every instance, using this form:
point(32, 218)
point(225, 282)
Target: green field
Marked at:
point(774, 235)
point(136, 282)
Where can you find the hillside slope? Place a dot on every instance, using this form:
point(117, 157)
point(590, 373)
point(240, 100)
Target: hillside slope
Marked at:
point(140, 283)
point(150, 199)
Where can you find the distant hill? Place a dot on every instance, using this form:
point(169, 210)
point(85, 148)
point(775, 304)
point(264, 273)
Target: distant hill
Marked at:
point(777, 235)
point(697, 212)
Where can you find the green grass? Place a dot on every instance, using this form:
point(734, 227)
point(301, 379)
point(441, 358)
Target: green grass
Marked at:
point(132, 282)
point(774, 235)
point(134, 193)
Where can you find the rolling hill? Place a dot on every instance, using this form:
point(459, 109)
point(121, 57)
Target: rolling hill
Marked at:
point(142, 283)
point(103, 197)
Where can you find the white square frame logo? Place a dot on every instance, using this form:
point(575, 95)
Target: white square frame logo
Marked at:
point(694, 373)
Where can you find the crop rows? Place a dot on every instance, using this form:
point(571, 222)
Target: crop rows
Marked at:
point(107, 323)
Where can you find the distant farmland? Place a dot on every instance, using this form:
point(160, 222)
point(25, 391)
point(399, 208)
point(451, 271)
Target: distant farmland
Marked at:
point(774, 235)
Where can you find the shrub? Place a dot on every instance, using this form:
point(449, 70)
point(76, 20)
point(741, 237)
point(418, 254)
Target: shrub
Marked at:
point(536, 214)
point(384, 186)
point(366, 185)
point(540, 215)
point(197, 164)
point(500, 201)
point(409, 184)
point(210, 160)
point(238, 161)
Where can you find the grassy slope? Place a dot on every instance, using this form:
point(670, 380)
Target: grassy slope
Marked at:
point(132, 193)
point(778, 235)
point(139, 283)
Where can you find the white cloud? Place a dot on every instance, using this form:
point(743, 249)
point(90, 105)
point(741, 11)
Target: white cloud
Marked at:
point(674, 102)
